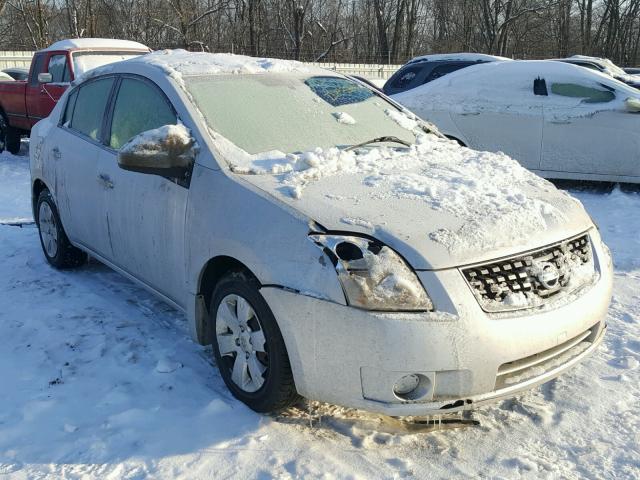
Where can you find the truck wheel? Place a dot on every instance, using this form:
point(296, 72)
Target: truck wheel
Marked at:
point(248, 346)
point(9, 136)
point(56, 246)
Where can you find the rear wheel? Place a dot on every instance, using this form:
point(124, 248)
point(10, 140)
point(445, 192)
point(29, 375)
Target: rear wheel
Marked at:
point(248, 346)
point(9, 136)
point(55, 245)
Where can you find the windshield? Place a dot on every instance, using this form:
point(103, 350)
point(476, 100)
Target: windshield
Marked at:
point(294, 113)
point(85, 61)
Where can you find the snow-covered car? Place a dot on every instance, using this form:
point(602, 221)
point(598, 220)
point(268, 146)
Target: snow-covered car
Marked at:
point(603, 65)
point(556, 119)
point(426, 68)
point(318, 235)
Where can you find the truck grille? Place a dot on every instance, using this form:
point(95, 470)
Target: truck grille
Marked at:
point(531, 279)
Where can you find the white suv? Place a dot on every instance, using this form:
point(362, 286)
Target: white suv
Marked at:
point(324, 240)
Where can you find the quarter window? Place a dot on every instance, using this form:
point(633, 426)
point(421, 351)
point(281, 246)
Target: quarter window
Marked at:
point(139, 107)
point(587, 94)
point(89, 109)
point(59, 69)
point(68, 109)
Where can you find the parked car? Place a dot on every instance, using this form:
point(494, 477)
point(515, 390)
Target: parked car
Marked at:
point(17, 73)
point(427, 68)
point(5, 77)
point(22, 104)
point(325, 241)
point(603, 65)
point(556, 119)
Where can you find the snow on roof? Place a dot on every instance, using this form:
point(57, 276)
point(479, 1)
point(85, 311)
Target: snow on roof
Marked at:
point(97, 43)
point(610, 67)
point(462, 56)
point(508, 87)
point(181, 62)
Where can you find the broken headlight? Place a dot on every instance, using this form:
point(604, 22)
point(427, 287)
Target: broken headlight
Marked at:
point(373, 276)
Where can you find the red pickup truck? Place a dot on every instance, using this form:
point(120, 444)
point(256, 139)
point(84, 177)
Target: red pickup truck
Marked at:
point(23, 103)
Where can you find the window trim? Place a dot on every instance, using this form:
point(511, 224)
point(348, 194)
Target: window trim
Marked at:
point(108, 118)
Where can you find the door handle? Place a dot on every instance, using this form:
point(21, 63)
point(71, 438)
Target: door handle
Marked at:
point(56, 153)
point(466, 114)
point(105, 180)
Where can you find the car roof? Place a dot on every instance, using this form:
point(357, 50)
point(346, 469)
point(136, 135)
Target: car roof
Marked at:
point(460, 57)
point(503, 74)
point(177, 64)
point(96, 43)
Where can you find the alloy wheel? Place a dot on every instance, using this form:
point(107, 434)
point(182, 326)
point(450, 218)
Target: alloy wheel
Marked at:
point(48, 229)
point(241, 343)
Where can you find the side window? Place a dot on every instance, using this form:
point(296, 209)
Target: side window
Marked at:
point(442, 70)
point(36, 68)
point(406, 76)
point(68, 109)
point(89, 108)
point(139, 107)
point(587, 94)
point(59, 69)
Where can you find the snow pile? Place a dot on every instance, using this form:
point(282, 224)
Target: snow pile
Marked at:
point(489, 192)
point(15, 188)
point(160, 148)
point(345, 118)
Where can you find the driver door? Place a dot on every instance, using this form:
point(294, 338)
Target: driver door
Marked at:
point(145, 213)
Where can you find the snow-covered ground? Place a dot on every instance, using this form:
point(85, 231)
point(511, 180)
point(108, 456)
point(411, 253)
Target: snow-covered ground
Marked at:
point(98, 379)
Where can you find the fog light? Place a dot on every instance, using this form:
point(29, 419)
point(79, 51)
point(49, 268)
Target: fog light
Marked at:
point(406, 385)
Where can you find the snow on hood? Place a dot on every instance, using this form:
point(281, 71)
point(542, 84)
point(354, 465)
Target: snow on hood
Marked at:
point(438, 204)
point(505, 87)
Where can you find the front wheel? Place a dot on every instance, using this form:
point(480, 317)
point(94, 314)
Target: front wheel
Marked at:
point(55, 245)
point(248, 346)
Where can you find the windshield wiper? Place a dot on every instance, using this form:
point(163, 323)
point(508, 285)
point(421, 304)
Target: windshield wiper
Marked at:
point(389, 138)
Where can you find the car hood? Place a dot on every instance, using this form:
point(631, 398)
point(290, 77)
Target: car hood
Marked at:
point(437, 204)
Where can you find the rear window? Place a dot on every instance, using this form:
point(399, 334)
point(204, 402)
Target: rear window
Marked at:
point(442, 70)
point(406, 77)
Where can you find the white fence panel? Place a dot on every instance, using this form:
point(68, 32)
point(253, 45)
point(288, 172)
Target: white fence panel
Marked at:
point(367, 70)
point(15, 59)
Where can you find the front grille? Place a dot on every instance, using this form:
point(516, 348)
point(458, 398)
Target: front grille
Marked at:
point(531, 279)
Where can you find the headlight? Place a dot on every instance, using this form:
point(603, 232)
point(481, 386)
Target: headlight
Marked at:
point(373, 276)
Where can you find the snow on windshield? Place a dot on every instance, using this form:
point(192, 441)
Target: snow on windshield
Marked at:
point(294, 113)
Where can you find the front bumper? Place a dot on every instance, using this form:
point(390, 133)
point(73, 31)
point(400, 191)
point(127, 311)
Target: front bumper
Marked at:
point(462, 354)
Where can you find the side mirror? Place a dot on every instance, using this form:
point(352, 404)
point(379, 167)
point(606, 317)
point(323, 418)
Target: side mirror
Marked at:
point(632, 104)
point(167, 151)
point(45, 77)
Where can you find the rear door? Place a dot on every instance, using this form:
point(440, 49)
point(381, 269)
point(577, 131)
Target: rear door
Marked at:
point(145, 213)
point(506, 121)
point(75, 146)
point(587, 130)
point(42, 97)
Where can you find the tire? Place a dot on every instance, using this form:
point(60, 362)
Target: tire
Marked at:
point(55, 245)
point(236, 332)
point(9, 136)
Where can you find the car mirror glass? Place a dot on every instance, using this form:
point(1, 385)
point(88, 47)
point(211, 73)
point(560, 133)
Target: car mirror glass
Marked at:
point(45, 77)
